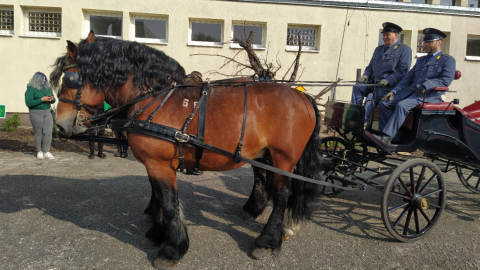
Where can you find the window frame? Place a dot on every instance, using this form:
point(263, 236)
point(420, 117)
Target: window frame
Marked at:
point(472, 57)
point(205, 43)
point(254, 46)
point(29, 33)
point(399, 38)
point(8, 32)
point(102, 14)
point(134, 17)
point(315, 48)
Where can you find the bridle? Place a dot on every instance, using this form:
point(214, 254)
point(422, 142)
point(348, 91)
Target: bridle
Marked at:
point(72, 80)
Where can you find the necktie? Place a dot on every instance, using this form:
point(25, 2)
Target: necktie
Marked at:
point(428, 58)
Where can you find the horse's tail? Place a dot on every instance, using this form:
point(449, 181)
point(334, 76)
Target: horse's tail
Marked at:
point(309, 165)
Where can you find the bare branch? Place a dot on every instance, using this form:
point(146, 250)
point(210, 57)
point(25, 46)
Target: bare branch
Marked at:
point(297, 59)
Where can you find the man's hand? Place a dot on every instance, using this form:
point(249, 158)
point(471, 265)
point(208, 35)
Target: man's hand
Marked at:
point(389, 96)
point(383, 82)
point(421, 89)
point(363, 79)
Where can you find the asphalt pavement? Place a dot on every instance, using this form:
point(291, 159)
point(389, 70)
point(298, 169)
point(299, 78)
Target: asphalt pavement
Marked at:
point(77, 213)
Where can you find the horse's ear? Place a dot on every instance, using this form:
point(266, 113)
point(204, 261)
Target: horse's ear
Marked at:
point(90, 38)
point(72, 50)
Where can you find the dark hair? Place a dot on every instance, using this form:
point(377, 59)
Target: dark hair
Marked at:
point(61, 62)
point(108, 65)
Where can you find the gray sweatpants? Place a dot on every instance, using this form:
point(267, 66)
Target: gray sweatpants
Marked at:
point(42, 121)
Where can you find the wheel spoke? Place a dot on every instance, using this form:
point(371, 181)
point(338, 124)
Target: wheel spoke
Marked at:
point(400, 195)
point(412, 180)
point(428, 183)
point(478, 183)
point(425, 216)
point(420, 179)
point(398, 207)
point(417, 223)
point(470, 176)
point(433, 192)
point(401, 217)
point(404, 186)
point(335, 146)
point(434, 206)
point(407, 224)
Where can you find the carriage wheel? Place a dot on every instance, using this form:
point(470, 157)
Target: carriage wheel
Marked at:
point(337, 146)
point(413, 199)
point(469, 178)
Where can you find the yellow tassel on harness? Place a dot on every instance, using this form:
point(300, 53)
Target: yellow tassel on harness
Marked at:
point(300, 88)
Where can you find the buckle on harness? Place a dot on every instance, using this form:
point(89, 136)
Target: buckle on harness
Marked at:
point(181, 137)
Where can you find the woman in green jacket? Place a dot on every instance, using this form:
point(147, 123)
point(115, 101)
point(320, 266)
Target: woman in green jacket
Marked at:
point(38, 98)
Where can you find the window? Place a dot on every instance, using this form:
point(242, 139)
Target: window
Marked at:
point(104, 25)
point(420, 1)
point(242, 31)
point(309, 38)
point(6, 21)
point(149, 29)
point(473, 47)
point(473, 3)
point(43, 23)
point(401, 38)
point(447, 2)
point(205, 33)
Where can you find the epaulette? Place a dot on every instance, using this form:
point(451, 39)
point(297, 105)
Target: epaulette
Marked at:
point(444, 54)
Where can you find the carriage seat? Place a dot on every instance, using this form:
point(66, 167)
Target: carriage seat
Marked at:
point(432, 108)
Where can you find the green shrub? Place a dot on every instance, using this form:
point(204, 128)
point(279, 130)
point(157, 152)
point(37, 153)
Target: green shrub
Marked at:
point(54, 131)
point(12, 123)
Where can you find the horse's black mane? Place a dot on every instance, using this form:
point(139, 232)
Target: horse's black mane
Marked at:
point(107, 64)
point(61, 62)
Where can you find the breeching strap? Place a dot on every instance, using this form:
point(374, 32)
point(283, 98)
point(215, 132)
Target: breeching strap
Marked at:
point(238, 154)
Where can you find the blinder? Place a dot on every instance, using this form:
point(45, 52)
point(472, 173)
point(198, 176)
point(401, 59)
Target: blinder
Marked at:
point(71, 79)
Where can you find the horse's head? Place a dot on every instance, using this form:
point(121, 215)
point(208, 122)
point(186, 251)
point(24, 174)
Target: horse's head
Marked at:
point(77, 101)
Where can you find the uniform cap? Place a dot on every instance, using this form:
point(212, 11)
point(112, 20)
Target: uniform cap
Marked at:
point(431, 34)
point(391, 27)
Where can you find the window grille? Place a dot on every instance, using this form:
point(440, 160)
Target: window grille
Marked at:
point(6, 20)
point(308, 37)
point(420, 48)
point(45, 22)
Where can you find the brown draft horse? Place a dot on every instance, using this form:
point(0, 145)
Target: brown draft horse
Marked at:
point(281, 129)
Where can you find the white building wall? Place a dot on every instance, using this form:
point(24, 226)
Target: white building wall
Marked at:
point(22, 56)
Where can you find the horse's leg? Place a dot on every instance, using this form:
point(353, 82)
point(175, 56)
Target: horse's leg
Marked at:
point(272, 234)
point(261, 192)
point(168, 230)
point(149, 212)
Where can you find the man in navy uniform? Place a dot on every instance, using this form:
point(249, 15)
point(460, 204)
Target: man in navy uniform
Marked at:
point(434, 70)
point(389, 64)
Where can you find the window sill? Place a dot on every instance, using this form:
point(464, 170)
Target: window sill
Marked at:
point(206, 44)
point(303, 51)
point(115, 37)
point(255, 48)
point(472, 58)
point(152, 41)
point(33, 36)
point(6, 35)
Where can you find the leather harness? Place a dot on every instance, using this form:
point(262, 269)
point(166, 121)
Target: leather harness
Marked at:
point(180, 137)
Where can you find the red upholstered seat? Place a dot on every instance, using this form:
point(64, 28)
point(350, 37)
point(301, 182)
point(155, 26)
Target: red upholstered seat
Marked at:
point(474, 114)
point(439, 106)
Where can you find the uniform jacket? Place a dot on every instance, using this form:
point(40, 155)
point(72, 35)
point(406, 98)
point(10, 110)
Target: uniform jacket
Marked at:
point(438, 72)
point(392, 65)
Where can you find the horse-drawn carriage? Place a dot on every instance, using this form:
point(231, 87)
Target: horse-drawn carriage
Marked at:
point(414, 195)
point(154, 103)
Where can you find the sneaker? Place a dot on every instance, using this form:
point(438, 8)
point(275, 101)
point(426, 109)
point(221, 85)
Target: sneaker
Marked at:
point(48, 155)
point(40, 155)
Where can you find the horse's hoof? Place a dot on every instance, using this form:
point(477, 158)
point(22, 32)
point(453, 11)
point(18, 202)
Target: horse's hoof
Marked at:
point(247, 216)
point(147, 243)
point(288, 234)
point(261, 253)
point(162, 263)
